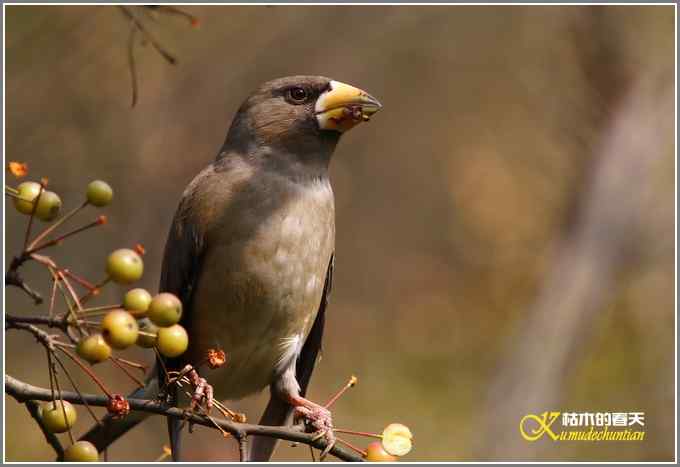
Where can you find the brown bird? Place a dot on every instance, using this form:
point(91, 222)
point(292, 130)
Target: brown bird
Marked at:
point(250, 252)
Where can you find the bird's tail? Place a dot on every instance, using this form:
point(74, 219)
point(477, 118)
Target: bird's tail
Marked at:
point(277, 413)
point(110, 429)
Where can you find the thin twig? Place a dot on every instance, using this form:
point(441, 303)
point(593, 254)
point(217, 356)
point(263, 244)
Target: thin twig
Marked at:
point(148, 36)
point(131, 61)
point(13, 278)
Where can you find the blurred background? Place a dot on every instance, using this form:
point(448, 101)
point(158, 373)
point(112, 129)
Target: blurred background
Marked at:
point(505, 226)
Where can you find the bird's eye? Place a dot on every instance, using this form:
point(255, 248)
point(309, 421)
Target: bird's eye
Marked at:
point(297, 94)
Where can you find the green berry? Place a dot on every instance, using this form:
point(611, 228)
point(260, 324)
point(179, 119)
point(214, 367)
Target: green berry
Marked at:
point(172, 341)
point(165, 309)
point(94, 348)
point(137, 301)
point(120, 329)
point(99, 193)
point(49, 205)
point(145, 325)
point(27, 193)
point(52, 416)
point(124, 266)
point(81, 451)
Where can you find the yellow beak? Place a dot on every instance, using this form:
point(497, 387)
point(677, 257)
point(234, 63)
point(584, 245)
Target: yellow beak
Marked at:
point(343, 106)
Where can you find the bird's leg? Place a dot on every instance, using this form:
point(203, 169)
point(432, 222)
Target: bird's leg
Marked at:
point(317, 418)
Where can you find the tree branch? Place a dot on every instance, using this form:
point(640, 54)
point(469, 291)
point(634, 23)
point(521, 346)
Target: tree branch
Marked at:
point(23, 392)
point(14, 278)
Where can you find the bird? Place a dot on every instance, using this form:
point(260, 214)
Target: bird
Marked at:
point(251, 252)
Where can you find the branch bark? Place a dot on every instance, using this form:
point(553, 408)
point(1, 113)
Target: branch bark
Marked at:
point(23, 392)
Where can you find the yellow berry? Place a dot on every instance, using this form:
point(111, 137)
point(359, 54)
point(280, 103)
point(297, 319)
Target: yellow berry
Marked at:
point(137, 301)
point(81, 451)
point(397, 439)
point(120, 329)
point(27, 193)
point(124, 266)
point(165, 310)
point(94, 348)
point(53, 418)
point(99, 193)
point(49, 205)
point(172, 341)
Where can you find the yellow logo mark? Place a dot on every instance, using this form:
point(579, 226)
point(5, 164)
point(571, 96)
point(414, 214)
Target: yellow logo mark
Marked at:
point(544, 422)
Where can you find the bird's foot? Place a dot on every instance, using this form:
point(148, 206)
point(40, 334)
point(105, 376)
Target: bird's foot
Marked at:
point(203, 392)
point(318, 420)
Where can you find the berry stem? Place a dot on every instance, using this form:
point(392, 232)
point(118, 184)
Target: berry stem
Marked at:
point(130, 363)
point(63, 405)
point(71, 312)
point(53, 297)
point(56, 224)
point(97, 310)
point(95, 291)
point(351, 383)
point(63, 237)
point(72, 292)
point(358, 433)
point(89, 372)
point(81, 281)
point(125, 370)
point(146, 334)
point(352, 447)
point(75, 388)
point(51, 374)
point(33, 209)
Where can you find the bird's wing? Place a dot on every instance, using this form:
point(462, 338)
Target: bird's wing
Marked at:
point(279, 412)
point(179, 275)
point(182, 257)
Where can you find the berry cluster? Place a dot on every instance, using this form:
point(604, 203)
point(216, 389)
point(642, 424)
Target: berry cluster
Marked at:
point(140, 318)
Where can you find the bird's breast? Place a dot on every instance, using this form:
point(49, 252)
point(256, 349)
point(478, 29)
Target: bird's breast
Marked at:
point(262, 282)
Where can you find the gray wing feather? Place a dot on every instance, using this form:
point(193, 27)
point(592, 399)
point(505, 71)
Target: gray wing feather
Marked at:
point(179, 275)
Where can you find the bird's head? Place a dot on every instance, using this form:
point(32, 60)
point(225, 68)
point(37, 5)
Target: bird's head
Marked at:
point(303, 115)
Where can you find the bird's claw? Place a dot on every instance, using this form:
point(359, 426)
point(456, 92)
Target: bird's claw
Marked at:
point(318, 420)
point(203, 392)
